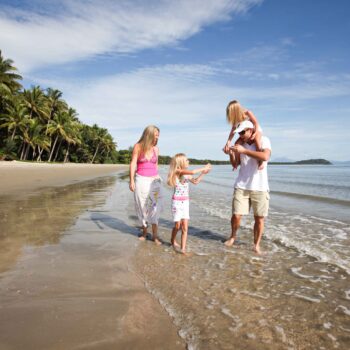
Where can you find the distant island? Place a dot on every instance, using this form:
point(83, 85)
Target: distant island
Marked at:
point(166, 160)
point(304, 162)
point(124, 157)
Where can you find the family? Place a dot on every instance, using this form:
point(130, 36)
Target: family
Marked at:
point(250, 153)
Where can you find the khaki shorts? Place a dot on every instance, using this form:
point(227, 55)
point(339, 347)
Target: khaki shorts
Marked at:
point(243, 200)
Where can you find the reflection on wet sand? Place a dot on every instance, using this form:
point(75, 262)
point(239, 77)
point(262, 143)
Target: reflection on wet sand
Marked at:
point(41, 218)
point(76, 290)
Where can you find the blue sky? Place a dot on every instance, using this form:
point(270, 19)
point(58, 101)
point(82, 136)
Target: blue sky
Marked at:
point(176, 64)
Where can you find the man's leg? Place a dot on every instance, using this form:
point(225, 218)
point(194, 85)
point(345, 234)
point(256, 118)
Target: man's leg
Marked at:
point(235, 223)
point(240, 206)
point(258, 232)
point(260, 203)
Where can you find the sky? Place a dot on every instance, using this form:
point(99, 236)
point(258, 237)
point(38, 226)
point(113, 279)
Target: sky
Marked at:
point(176, 64)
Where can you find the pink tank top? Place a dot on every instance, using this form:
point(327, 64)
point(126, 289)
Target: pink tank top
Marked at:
point(147, 167)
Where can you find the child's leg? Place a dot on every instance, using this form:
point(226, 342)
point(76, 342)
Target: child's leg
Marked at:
point(234, 155)
point(155, 234)
point(174, 233)
point(232, 159)
point(184, 227)
point(258, 146)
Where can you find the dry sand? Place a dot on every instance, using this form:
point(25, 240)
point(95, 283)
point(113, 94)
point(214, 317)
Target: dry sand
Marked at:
point(20, 177)
point(66, 273)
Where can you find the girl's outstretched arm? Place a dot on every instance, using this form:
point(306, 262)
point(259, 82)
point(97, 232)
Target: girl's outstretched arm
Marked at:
point(199, 178)
point(195, 171)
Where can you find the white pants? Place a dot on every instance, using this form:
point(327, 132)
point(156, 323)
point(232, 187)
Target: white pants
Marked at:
point(148, 199)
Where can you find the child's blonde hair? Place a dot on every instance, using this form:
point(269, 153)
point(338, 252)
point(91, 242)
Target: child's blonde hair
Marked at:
point(178, 162)
point(147, 139)
point(235, 113)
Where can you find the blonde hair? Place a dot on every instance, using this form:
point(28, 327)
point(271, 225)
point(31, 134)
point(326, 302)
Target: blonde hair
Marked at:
point(178, 162)
point(235, 113)
point(147, 139)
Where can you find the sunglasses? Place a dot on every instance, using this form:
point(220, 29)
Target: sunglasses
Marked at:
point(242, 132)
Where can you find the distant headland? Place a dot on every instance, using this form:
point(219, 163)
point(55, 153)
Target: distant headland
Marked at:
point(124, 157)
point(304, 162)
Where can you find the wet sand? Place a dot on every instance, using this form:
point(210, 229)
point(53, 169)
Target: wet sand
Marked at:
point(67, 279)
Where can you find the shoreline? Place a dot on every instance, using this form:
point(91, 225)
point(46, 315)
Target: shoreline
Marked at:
point(66, 263)
point(18, 178)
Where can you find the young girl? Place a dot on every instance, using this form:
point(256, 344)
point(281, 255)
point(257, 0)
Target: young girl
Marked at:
point(179, 177)
point(235, 114)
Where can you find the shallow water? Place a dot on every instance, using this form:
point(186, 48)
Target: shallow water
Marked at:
point(66, 281)
point(295, 296)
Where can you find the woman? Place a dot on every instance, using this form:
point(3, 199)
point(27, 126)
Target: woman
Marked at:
point(145, 181)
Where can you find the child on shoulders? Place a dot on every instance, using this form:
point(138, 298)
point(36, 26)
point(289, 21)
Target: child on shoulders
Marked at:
point(235, 114)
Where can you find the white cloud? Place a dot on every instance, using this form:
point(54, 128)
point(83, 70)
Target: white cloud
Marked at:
point(59, 32)
point(188, 103)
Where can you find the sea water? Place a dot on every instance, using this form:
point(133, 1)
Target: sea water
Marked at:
point(294, 296)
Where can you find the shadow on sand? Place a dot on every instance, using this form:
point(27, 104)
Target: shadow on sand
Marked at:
point(101, 219)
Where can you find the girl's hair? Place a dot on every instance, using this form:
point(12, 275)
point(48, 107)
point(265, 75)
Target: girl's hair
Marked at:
point(147, 139)
point(178, 162)
point(235, 113)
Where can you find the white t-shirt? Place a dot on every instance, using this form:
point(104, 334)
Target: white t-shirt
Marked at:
point(249, 176)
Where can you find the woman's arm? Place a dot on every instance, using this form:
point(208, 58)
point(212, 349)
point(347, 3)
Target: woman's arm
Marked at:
point(156, 149)
point(133, 165)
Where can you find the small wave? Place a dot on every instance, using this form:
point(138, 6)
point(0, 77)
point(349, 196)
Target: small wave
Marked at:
point(313, 184)
point(344, 309)
point(313, 197)
point(314, 279)
point(307, 298)
point(320, 253)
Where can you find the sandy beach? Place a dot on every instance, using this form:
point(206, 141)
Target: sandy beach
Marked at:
point(23, 177)
point(66, 275)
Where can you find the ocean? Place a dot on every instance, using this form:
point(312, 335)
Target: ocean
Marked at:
point(294, 296)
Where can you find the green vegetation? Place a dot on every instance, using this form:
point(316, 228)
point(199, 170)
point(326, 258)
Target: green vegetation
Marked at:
point(38, 125)
point(304, 162)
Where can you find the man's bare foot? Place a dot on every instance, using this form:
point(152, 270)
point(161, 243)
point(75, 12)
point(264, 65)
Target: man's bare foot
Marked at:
point(257, 250)
point(175, 244)
point(229, 242)
point(142, 238)
point(157, 241)
point(183, 252)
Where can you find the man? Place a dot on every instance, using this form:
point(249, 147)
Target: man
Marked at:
point(251, 186)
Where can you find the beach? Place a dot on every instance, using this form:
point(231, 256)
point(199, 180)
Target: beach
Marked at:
point(66, 278)
point(18, 178)
point(74, 275)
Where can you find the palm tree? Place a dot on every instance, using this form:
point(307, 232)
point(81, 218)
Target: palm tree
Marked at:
point(74, 137)
point(14, 117)
point(108, 145)
point(98, 136)
point(36, 137)
point(35, 101)
point(8, 77)
point(54, 105)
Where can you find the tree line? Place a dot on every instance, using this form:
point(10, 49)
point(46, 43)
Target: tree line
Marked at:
point(38, 125)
